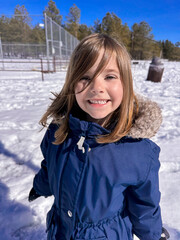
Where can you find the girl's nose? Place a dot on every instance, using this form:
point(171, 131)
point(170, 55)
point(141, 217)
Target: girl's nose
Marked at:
point(97, 85)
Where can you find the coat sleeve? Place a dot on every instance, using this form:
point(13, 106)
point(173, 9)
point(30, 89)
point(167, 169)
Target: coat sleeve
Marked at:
point(41, 181)
point(143, 201)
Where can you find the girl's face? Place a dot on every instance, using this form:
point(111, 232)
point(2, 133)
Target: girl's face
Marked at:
point(104, 94)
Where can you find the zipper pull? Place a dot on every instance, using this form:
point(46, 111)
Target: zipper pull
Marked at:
point(80, 144)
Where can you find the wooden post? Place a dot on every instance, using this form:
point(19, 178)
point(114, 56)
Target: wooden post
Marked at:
point(54, 63)
point(42, 70)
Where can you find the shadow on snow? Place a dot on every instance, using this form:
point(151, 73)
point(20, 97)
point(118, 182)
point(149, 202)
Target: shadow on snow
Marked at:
point(15, 157)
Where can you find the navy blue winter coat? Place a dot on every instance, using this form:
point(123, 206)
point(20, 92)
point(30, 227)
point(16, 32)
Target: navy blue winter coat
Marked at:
point(102, 191)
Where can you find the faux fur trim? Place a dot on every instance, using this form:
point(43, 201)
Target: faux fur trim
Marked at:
point(148, 120)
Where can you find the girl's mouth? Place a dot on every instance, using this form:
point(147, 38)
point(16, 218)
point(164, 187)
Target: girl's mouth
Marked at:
point(100, 102)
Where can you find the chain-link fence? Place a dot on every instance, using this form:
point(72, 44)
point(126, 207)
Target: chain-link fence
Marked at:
point(58, 43)
point(23, 51)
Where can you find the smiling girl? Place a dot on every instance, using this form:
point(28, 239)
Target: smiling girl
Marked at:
point(98, 161)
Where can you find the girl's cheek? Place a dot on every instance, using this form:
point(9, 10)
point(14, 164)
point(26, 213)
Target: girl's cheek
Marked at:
point(78, 87)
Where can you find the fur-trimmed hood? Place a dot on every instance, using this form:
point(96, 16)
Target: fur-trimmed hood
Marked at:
point(148, 120)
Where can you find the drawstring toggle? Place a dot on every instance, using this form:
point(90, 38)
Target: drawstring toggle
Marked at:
point(80, 144)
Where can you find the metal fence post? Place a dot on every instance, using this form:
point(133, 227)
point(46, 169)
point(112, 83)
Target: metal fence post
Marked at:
point(47, 42)
point(60, 42)
point(52, 43)
point(66, 43)
point(1, 54)
point(71, 43)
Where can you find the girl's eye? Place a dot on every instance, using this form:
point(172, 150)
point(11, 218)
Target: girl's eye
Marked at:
point(85, 78)
point(111, 77)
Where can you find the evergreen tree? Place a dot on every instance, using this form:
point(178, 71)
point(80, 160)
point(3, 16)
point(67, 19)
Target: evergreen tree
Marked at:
point(108, 24)
point(112, 26)
point(168, 49)
point(126, 36)
point(19, 25)
point(177, 44)
point(83, 31)
point(176, 51)
point(176, 55)
point(4, 28)
point(73, 19)
point(116, 27)
point(97, 26)
point(53, 12)
point(38, 35)
point(141, 41)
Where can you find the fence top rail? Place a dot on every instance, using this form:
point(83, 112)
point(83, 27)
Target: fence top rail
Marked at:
point(38, 61)
point(25, 44)
point(4, 61)
point(19, 70)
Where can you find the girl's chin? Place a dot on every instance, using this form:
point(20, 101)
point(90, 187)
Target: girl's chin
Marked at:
point(99, 120)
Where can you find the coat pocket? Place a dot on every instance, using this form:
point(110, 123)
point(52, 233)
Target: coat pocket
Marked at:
point(51, 225)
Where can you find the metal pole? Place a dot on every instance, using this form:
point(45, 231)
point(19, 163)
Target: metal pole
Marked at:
point(1, 54)
point(52, 45)
point(47, 42)
point(71, 43)
point(60, 42)
point(66, 42)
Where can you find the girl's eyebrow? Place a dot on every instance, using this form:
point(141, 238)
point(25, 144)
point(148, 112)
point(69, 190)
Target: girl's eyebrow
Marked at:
point(108, 70)
point(111, 70)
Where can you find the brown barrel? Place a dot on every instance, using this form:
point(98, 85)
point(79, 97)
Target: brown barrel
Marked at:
point(156, 69)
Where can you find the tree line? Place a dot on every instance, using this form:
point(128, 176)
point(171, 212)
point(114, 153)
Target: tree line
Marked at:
point(139, 40)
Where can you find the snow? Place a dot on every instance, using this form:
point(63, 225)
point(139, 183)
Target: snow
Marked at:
point(24, 97)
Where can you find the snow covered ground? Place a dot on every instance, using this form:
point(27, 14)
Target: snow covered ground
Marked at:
point(23, 100)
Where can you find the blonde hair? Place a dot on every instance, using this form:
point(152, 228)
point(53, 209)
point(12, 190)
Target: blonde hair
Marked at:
point(82, 59)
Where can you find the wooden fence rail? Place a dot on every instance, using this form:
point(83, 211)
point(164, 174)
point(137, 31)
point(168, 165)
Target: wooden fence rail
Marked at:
point(40, 65)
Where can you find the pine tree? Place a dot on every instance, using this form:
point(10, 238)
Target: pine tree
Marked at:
point(83, 31)
point(156, 49)
point(168, 49)
point(38, 35)
point(112, 26)
point(176, 55)
point(97, 26)
point(107, 25)
point(53, 12)
point(126, 36)
point(20, 25)
point(4, 28)
point(73, 19)
point(177, 44)
point(116, 27)
point(141, 42)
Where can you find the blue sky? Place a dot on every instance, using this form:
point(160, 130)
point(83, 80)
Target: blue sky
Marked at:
point(162, 15)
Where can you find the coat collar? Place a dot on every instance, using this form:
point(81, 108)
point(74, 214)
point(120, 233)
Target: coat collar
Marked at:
point(145, 125)
point(86, 129)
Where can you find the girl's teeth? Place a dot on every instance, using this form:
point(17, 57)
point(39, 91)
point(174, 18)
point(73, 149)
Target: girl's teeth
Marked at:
point(98, 102)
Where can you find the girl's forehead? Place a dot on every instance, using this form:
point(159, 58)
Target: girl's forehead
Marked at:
point(104, 61)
